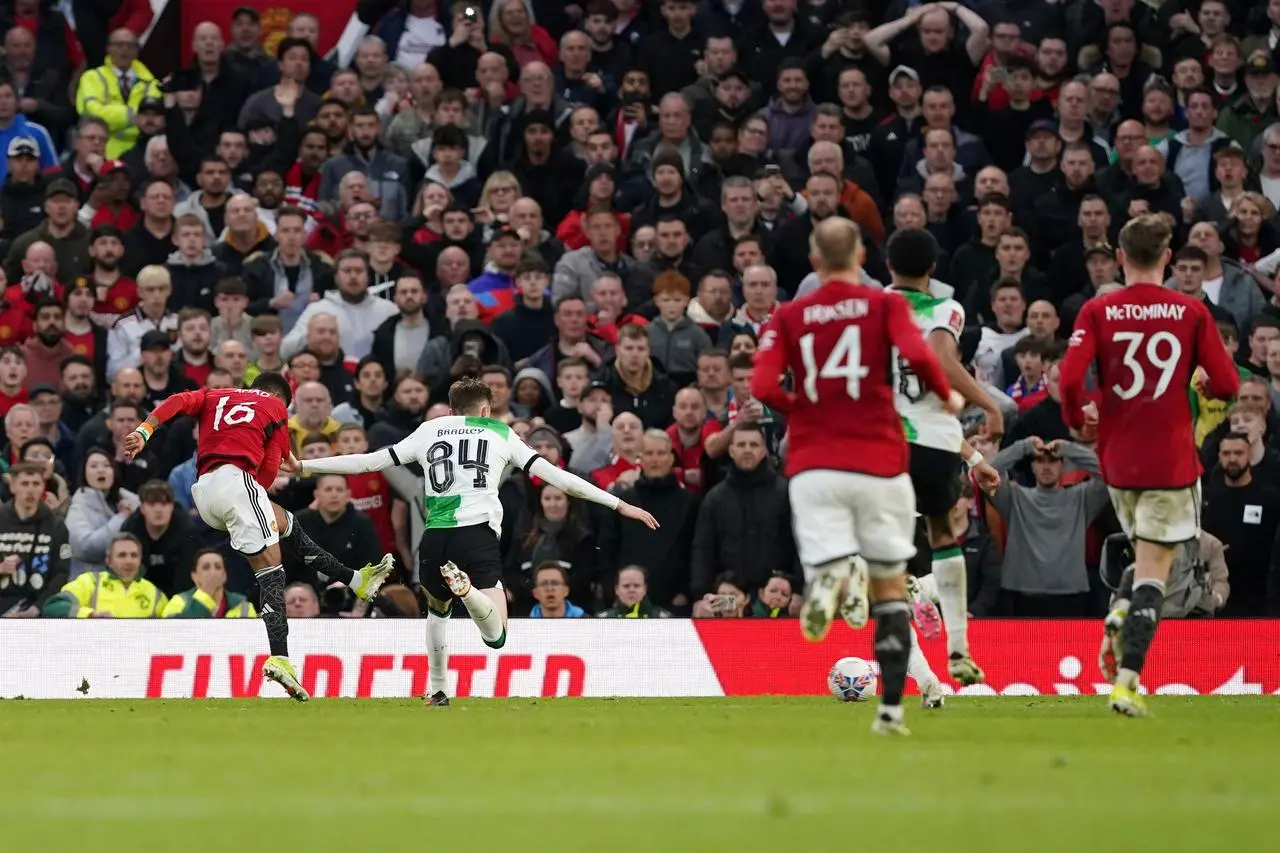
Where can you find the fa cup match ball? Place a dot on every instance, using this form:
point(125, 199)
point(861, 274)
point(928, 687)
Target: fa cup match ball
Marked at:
point(852, 680)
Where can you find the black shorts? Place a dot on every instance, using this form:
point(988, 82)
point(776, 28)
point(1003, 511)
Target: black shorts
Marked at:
point(474, 549)
point(936, 478)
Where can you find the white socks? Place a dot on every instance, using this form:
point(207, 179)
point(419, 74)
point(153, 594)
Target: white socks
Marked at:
point(918, 665)
point(950, 574)
point(437, 652)
point(485, 615)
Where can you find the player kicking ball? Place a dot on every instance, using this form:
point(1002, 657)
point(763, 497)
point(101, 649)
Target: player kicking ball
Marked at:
point(1147, 344)
point(464, 457)
point(848, 459)
point(939, 454)
point(242, 442)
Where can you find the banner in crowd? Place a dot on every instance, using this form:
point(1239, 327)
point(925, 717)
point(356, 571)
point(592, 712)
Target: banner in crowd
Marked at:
point(332, 14)
point(120, 659)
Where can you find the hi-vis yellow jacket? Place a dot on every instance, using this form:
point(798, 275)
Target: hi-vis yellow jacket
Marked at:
point(99, 95)
point(198, 604)
point(93, 591)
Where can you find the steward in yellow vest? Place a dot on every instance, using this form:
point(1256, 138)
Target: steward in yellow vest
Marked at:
point(119, 591)
point(209, 599)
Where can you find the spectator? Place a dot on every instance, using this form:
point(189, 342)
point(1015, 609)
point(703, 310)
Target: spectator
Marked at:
point(400, 415)
point(1225, 284)
point(631, 597)
point(1245, 117)
point(60, 231)
point(358, 313)
point(290, 94)
point(578, 270)
point(665, 554)
point(245, 234)
point(635, 382)
point(743, 411)
point(1044, 566)
point(314, 409)
point(337, 526)
point(301, 601)
point(743, 522)
point(118, 589)
point(673, 336)
point(192, 359)
point(558, 533)
point(13, 378)
point(688, 436)
point(592, 440)
point(167, 537)
point(265, 337)
point(530, 322)
point(399, 341)
point(35, 552)
point(728, 600)
point(387, 172)
point(773, 600)
point(162, 377)
point(209, 597)
point(712, 307)
point(98, 511)
point(115, 91)
point(981, 555)
point(43, 352)
point(551, 590)
point(370, 393)
point(1243, 510)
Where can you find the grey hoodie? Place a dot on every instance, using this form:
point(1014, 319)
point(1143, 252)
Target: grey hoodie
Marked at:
point(677, 346)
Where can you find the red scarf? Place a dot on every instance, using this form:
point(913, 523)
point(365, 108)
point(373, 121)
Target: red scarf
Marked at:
point(297, 195)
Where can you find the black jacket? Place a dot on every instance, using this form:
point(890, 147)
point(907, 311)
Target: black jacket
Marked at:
point(390, 425)
point(338, 379)
point(698, 215)
point(744, 527)
point(715, 250)
point(552, 184)
point(652, 405)
point(351, 538)
point(142, 248)
point(663, 553)
point(524, 330)
point(384, 338)
point(43, 551)
point(638, 284)
point(21, 205)
point(168, 560)
point(969, 267)
point(194, 284)
point(1055, 215)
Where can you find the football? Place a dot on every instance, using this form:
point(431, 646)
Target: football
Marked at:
point(852, 680)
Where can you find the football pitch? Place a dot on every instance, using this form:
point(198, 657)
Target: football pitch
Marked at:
point(1026, 774)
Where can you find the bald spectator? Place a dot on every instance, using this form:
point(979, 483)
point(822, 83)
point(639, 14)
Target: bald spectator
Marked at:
point(1149, 184)
point(324, 341)
point(827, 157)
point(665, 554)
point(115, 91)
point(313, 408)
point(575, 79)
point(232, 357)
point(244, 236)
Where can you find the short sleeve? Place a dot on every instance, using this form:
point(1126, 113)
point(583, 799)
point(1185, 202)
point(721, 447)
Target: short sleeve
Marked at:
point(948, 315)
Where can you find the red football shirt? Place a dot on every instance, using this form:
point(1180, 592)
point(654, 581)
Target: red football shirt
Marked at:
point(1145, 342)
point(238, 426)
point(81, 344)
point(838, 342)
point(371, 496)
point(689, 459)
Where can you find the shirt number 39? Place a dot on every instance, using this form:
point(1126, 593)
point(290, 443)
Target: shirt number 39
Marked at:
point(1160, 351)
point(843, 362)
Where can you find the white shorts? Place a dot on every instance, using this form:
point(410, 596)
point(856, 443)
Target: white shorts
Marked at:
point(230, 500)
point(843, 513)
point(1162, 516)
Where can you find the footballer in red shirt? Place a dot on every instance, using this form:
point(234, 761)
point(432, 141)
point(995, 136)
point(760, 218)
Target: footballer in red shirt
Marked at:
point(847, 458)
point(1147, 344)
point(243, 439)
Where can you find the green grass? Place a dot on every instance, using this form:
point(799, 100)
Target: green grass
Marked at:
point(635, 775)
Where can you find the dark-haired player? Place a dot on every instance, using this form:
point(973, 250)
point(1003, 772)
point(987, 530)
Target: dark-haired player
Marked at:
point(938, 449)
point(243, 438)
point(464, 457)
point(1146, 343)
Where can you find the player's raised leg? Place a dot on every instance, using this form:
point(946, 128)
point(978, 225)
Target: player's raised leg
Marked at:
point(299, 551)
point(487, 607)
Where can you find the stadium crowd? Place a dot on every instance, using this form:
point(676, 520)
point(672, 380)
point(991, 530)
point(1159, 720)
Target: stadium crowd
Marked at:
point(596, 207)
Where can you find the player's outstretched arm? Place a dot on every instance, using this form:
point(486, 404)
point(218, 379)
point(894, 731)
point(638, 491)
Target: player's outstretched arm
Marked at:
point(575, 486)
point(356, 463)
point(185, 403)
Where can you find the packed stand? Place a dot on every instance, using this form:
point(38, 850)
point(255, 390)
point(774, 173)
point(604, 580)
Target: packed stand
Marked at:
point(596, 207)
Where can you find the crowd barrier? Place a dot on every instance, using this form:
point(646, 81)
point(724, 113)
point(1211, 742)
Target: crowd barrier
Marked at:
point(641, 658)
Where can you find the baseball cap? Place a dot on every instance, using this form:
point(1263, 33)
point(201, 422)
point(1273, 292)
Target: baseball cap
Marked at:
point(542, 117)
point(1259, 63)
point(902, 70)
point(22, 146)
point(151, 105)
point(1104, 250)
point(735, 73)
point(61, 186)
point(156, 339)
point(41, 388)
point(1043, 125)
point(597, 385)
